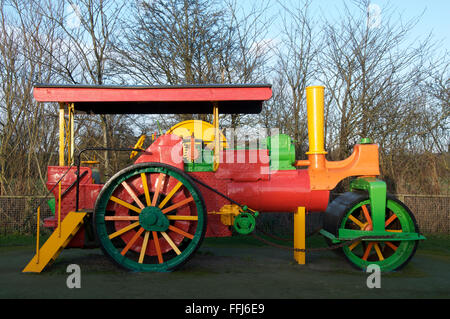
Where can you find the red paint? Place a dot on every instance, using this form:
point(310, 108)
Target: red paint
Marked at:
point(167, 149)
point(87, 197)
point(71, 94)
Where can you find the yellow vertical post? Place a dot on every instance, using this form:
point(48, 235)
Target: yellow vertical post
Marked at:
point(37, 233)
point(59, 209)
point(216, 135)
point(315, 110)
point(61, 134)
point(71, 142)
point(299, 235)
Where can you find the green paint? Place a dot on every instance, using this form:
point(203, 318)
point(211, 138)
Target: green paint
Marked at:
point(281, 152)
point(152, 219)
point(244, 223)
point(377, 194)
point(204, 163)
point(365, 140)
point(404, 251)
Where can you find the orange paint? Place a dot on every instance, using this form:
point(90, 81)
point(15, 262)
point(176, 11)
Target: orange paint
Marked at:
point(157, 247)
point(325, 175)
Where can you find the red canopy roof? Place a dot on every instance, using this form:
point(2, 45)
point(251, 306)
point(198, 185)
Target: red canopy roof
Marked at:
point(193, 99)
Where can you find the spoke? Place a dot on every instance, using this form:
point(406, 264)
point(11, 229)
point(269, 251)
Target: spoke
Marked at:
point(366, 214)
point(181, 217)
point(133, 195)
point(394, 230)
point(391, 245)
point(352, 246)
point(123, 230)
point(390, 220)
point(157, 248)
point(146, 192)
point(131, 242)
point(171, 243)
point(377, 249)
point(159, 183)
point(181, 232)
point(125, 204)
point(356, 221)
point(121, 218)
point(179, 204)
point(144, 247)
point(169, 196)
point(367, 252)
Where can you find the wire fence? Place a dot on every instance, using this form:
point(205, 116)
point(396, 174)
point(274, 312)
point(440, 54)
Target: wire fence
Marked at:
point(432, 212)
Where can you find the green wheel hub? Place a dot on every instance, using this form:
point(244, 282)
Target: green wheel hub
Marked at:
point(150, 217)
point(389, 255)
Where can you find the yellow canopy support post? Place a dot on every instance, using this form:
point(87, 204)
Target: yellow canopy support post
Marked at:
point(71, 142)
point(299, 235)
point(216, 135)
point(66, 133)
point(61, 134)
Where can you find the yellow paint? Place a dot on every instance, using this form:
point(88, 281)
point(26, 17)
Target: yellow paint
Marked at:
point(123, 230)
point(216, 137)
point(227, 214)
point(61, 134)
point(125, 204)
point(144, 247)
point(356, 221)
point(55, 243)
point(377, 249)
point(315, 107)
point(202, 131)
point(299, 235)
point(180, 217)
point(171, 243)
point(169, 196)
point(71, 139)
point(59, 208)
point(146, 192)
point(352, 246)
point(37, 233)
point(138, 145)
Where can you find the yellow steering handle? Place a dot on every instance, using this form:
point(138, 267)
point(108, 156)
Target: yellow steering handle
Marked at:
point(138, 145)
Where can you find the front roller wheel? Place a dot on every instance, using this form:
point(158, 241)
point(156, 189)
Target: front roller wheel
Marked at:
point(150, 217)
point(352, 211)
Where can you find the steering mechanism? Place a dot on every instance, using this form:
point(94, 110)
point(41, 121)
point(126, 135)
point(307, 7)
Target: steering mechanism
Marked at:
point(138, 145)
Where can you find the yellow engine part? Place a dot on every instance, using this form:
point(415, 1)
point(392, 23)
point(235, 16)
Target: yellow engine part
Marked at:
point(202, 131)
point(227, 214)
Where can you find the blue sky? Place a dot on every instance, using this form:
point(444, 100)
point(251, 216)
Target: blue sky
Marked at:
point(435, 14)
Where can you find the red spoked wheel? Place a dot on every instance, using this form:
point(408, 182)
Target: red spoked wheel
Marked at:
point(150, 217)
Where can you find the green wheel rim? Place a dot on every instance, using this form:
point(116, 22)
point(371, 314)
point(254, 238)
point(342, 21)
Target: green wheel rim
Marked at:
point(186, 247)
point(388, 255)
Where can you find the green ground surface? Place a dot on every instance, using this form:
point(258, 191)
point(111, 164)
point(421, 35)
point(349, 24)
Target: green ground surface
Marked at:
point(231, 268)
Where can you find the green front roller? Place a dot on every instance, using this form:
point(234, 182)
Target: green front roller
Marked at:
point(351, 212)
point(150, 217)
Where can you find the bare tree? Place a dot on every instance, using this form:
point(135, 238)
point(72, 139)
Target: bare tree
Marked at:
point(85, 30)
